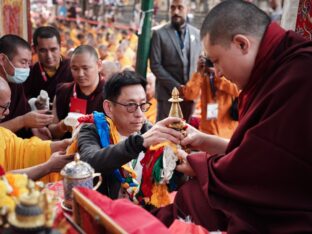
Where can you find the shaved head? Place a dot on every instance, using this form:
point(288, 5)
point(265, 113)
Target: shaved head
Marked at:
point(4, 86)
point(5, 97)
point(233, 17)
point(86, 49)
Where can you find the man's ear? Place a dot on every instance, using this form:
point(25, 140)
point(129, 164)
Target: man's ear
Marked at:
point(242, 43)
point(107, 105)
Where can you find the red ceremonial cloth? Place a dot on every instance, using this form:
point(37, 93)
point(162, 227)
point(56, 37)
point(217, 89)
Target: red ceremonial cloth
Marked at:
point(180, 227)
point(132, 218)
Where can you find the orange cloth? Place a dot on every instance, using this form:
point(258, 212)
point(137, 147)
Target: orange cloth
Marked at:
point(224, 125)
point(152, 112)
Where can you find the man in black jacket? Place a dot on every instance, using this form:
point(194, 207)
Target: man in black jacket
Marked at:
point(129, 134)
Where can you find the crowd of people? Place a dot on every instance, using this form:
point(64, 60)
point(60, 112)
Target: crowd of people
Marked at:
point(241, 76)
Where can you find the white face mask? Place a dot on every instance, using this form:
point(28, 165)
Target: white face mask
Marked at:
point(20, 74)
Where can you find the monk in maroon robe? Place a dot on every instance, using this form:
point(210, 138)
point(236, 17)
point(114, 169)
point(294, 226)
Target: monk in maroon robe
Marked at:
point(84, 95)
point(15, 56)
point(259, 181)
point(36, 81)
point(51, 70)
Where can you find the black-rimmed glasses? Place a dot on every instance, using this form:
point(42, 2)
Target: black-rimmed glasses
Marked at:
point(7, 106)
point(132, 107)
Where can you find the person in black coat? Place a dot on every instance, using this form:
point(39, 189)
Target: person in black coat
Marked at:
point(124, 105)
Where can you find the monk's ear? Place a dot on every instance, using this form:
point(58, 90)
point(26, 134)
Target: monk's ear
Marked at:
point(107, 107)
point(242, 43)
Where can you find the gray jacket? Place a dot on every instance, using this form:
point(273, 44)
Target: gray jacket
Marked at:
point(167, 60)
point(106, 160)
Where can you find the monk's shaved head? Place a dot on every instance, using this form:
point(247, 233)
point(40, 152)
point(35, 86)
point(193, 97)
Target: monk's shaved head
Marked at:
point(4, 86)
point(86, 49)
point(241, 18)
point(5, 97)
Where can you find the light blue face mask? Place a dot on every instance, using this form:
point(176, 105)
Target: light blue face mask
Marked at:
point(20, 74)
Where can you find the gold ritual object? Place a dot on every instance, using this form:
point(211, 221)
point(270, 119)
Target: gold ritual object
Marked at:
point(34, 210)
point(175, 110)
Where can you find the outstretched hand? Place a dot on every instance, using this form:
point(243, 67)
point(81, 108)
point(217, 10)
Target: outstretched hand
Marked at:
point(193, 138)
point(60, 145)
point(161, 132)
point(58, 160)
point(37, 119)
point(198, 140)
point(184, 167)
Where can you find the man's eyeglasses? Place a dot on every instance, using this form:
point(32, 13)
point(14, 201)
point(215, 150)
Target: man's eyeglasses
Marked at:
point(132, 107)
point(5, 107)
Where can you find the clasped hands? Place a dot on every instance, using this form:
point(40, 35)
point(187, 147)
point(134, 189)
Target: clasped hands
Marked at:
point(161, 132)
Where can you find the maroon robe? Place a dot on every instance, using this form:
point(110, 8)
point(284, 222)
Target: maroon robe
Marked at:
point(263, 182)
point(36, 82)
point(65, 92)
point(19, 106)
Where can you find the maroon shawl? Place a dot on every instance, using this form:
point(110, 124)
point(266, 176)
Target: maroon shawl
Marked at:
point(264, 181)
point(65, 91)
point(35, 82)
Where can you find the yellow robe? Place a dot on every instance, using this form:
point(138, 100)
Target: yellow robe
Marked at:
point(18, 153)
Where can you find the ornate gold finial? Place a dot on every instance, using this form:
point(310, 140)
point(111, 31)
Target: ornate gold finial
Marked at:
point(175, 110)
point(77, 157)
point(33, 196)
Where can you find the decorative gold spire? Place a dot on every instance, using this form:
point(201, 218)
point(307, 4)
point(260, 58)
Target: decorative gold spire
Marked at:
point(175, 110)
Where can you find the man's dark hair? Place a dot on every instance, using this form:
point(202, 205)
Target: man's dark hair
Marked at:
point(113, 86)
point(233, 17)
point(86, 49)
point(10, 43)
point(46, 32)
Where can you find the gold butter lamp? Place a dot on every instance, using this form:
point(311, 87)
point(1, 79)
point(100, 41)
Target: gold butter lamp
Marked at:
point(33, 213)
